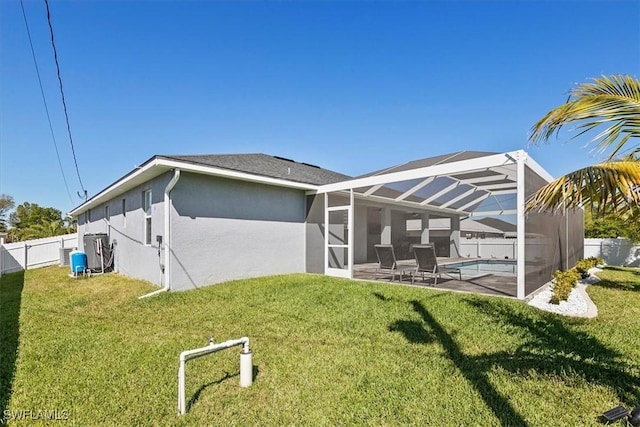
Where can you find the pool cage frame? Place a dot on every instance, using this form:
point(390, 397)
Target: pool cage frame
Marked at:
point(466, 184)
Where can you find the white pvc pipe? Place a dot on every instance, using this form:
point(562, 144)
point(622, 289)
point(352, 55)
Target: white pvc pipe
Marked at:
point(167, 235)
point(246, 365)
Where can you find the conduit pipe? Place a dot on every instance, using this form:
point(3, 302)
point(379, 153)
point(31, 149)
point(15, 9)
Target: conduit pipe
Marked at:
point(167, 235)
point(246, 364)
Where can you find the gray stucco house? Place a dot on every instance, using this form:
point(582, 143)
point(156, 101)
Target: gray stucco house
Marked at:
point(183, 222)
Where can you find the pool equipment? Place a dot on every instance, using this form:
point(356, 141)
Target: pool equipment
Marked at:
point(78, 263)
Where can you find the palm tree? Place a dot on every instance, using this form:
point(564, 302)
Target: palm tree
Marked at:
point(612, 103)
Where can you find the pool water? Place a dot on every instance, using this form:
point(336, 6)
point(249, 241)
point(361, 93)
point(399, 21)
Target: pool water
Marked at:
point(485, 266)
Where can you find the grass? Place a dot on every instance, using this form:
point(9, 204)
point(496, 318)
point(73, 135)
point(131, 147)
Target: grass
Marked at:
point(326, 352)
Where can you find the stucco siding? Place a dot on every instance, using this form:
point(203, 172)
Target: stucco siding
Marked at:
point(224, 229)
point(131, 257)
point(314, 233)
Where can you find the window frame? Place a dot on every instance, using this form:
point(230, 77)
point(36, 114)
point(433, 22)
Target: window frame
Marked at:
point(147, 210)
point(124, 213)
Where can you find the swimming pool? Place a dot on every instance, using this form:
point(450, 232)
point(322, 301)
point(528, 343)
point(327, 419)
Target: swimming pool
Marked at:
point(485, 266)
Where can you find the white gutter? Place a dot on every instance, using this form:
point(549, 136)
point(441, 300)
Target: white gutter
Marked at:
point(167, 235)
point(246, 364)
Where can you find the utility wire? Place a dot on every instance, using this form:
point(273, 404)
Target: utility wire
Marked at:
point(44, 100)
point(64, 104)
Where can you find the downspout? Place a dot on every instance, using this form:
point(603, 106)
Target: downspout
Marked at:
point(167, 235)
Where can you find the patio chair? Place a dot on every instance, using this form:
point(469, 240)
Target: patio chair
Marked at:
point(427, 263)
point(387, 261)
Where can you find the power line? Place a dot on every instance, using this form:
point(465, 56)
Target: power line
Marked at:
point(44, 100)
point(64, 103)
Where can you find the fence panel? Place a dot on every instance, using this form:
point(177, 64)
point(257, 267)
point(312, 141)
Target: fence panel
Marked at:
point(489, 248)
point(613, 251)
point(34, 253)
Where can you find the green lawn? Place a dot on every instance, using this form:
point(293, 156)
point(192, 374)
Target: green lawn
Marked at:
point(326, 352)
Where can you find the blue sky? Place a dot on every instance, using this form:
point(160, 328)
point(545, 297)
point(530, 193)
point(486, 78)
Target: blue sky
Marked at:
point(352, 86)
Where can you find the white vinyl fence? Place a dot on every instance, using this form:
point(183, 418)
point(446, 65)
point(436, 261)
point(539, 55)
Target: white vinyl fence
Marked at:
point(489, 248)
point(34, 253)
point(614, 251)
point(621, 252)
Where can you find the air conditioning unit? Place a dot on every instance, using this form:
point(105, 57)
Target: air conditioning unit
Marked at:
point(64, 256)
point(96, 246)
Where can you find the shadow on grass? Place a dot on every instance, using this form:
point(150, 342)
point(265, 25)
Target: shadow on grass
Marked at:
point(416, 332)
point(196, 395)
point(633, 286)
point(10, 297)
point(552, 348)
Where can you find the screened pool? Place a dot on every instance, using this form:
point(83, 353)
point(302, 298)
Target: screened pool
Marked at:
point(486, 266)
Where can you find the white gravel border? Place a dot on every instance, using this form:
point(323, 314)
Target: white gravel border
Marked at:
point(578, 305)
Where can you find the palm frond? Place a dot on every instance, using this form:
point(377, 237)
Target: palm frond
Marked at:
point(605, 187)
point(611, 102)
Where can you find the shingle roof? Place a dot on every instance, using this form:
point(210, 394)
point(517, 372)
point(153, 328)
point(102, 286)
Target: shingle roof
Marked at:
point(499, 224)
point(265, 165)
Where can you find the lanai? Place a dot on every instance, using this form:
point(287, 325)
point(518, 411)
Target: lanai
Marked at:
point(394, 206)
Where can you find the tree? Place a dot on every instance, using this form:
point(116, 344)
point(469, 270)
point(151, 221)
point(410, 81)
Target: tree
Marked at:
point(611, 226)
point(30, 214)
point(6, 204)
point(30, 221)
point(613, 105)
point(38, 231)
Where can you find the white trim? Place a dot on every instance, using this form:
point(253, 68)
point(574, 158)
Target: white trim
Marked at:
point(424, 172)
point(415, 188)
point(473, 202)
point(520, 224)
point(373, 190)
point(158, 166)
point(147, 216)
point(494, 213)
point(439, 193)
point(507, 185)
point(510, 173)
point(242, 176)
point(385, 201)
point(326, 232)
point(337, 208)
point(503, 192)
point(352, 233)
point(339, 272)
point(535, 166)
point(473, 181)
point(460, 197)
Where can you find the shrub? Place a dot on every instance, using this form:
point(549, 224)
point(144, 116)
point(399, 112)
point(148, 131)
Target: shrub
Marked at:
point(595, 261)
point(564, 281)
point(583, 266)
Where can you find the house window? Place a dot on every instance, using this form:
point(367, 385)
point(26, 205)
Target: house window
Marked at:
point(124, 213)
point(147, 216)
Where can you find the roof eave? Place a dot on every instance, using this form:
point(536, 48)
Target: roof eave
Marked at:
point(158, 165)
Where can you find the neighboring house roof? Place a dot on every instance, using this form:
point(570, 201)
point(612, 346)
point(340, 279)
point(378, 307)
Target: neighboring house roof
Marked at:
point(499, 224)
point(265, 165)
point(467, 225)
point(260, 168)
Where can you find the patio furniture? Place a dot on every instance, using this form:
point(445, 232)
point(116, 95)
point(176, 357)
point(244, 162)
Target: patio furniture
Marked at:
point(427, 263)
point(387, 261)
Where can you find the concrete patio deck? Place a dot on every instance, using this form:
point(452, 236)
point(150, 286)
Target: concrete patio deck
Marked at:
point(486, 284)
